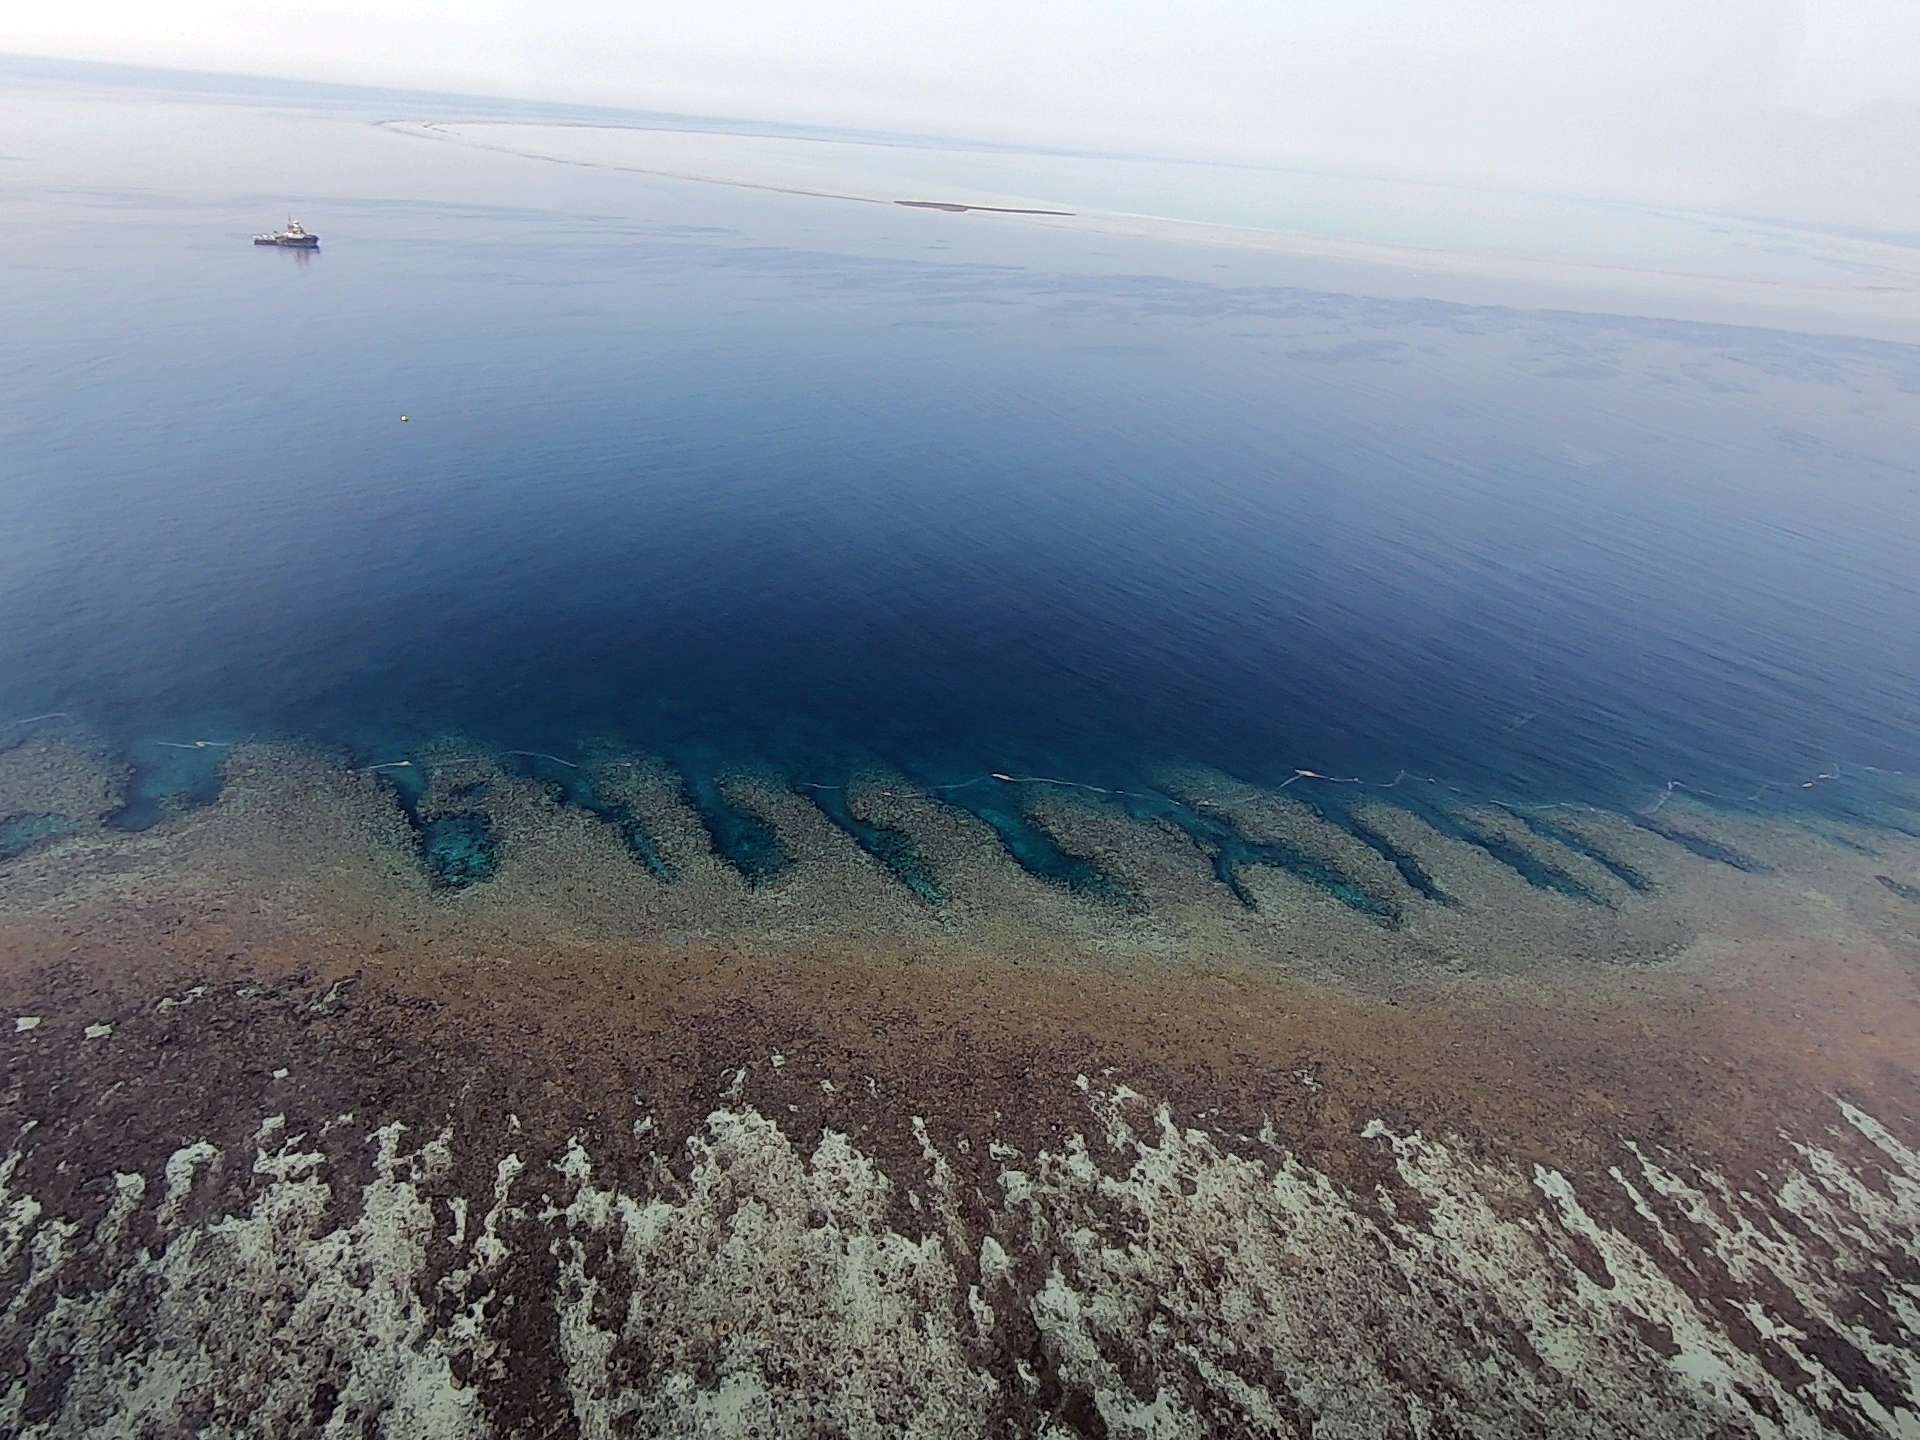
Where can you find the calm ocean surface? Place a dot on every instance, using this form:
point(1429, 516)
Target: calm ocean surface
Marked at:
point(733, 476)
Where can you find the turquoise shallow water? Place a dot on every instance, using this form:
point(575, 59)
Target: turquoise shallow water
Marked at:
point(725, 476)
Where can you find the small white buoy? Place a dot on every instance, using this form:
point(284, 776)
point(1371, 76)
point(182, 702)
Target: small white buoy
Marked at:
point(403, 419)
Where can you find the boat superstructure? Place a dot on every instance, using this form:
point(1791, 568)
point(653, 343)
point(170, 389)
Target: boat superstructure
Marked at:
point(294, 237)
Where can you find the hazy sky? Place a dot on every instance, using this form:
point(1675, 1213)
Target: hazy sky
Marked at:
point(1532, 87)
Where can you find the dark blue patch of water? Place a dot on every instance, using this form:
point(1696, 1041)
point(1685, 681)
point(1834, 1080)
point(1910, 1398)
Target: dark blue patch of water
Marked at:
point(570, 785)
point(409, 781)
point(997, 804)
point(894, 849)
point(1704, 846)
point(1403, 860)
point(1231, 851)
point(1846, 842)
point(21, 833)
point(1536, 870)
point(459, 848)
point(741, 838)
point(685, 479)
point(168, 779)
point(1580, 844)
point(1895, 813)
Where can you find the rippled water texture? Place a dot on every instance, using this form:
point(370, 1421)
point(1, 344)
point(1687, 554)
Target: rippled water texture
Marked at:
point(764, 478)
point(635, 805)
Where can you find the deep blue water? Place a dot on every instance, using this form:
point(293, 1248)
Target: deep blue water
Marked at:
point(743, 477)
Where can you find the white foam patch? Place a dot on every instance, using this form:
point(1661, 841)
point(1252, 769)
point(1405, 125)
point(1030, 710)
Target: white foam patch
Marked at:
point(1177, 1289)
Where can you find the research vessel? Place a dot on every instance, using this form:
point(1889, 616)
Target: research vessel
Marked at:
point(294, 237)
